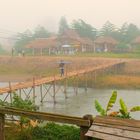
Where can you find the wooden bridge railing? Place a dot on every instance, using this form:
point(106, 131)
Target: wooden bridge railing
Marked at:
point(84, 123)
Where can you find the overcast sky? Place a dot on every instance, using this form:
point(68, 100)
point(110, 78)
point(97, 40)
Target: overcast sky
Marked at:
point(19, 15)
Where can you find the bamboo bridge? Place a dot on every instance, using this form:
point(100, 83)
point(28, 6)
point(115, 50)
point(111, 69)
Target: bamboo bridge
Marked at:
point(52, 82)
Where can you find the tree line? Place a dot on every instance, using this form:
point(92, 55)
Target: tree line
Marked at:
point(125, 34)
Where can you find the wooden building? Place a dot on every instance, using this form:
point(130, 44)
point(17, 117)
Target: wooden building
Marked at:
point(68, 43)
point(41, 45)
point(80, 44)
point(105, 44)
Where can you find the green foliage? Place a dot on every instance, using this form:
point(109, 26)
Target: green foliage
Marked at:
point(2, 51)
point(27, 36)
point(84, 29)
point(99, 108)
point(56, 132)
point(107, 29)
point(135, 108)
point(18, 102)
point(23, 39)
point(40, 32)
point(110, 104)
point(26, 104)
point(50, 131)
point(112, 101)
point(63, 25)
point(123, 111)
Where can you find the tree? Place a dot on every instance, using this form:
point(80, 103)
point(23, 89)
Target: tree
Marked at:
point(84, 29)
point(41, 32)
point(27, 36)
point(107, 29)
point(132, 32)
point(23, 39)
point(63, 25)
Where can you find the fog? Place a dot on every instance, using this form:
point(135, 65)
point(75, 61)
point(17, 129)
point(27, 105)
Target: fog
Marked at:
point(19, 15)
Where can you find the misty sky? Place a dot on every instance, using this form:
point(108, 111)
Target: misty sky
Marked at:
point(19, 15)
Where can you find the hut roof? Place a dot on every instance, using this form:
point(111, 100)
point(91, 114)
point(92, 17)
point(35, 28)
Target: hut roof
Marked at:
point(106, 39)
point(87, 41)
point(70, 33)
point(43, 43)
point(74, 37)
point(136, 40)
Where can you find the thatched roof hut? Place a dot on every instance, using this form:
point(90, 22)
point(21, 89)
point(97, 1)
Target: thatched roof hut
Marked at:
point(106, 40)
point(105, 43)
point(136, 41)
point(70, 36)
point(87, 41)
point(43, 43)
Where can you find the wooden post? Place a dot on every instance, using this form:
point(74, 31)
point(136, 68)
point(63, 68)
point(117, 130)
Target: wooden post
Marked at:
point(41, 93)
point(2, 137)
point(10, 92)
point(84, 129)
point(54, 91)
point(95, 77)
point(76, 84)
point(33, 90)
point(20, 92)
point(85, 82)
point(33, 51)
point(65, 85)
point(41, 51)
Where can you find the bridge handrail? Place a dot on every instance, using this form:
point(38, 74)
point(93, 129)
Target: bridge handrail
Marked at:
point(45, 116)
point(84, 123)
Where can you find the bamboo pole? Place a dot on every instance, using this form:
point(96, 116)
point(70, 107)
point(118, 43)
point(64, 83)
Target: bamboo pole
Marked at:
point(2, 137)
point(10, 92)
point(20, 92)
point(85, 82)
point(33, 90)
point(65, 85)
point(54, 90)
point(41, 93)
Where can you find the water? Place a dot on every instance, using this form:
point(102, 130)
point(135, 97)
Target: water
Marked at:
point(83, 103)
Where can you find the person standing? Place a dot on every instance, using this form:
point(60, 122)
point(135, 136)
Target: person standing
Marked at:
point(13, 51)
point(61, 66)
point(23, 53)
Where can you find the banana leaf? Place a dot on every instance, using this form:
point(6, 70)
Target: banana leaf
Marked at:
point(112, 101)
point(123, 109)
point(135, 108)
point(99, 108)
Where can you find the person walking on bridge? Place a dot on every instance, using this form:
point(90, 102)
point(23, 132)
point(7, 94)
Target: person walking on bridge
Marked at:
point(61, 66)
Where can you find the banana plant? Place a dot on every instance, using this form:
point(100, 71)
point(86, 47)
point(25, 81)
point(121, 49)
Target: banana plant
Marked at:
point(124, 112)
point(111, 102)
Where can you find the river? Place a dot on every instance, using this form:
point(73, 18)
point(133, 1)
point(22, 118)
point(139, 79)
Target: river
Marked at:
point(83, 102)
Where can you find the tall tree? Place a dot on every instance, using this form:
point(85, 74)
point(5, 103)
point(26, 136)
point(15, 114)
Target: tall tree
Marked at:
point(128, 32)
point(41, 32)
point(107, 29)
point(63, 25)
point(23, 39)
point(84, 29)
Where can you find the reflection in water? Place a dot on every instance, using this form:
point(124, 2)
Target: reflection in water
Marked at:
point(83, 103)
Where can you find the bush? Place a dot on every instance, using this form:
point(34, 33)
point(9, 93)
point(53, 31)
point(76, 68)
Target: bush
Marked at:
point(51, 131)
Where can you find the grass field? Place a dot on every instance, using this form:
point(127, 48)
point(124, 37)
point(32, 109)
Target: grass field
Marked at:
point(25, 68)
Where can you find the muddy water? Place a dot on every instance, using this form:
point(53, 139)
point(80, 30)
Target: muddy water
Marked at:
point(83, 102)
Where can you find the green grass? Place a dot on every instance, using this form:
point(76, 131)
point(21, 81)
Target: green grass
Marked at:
point(51, 131)
point(110, 55)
